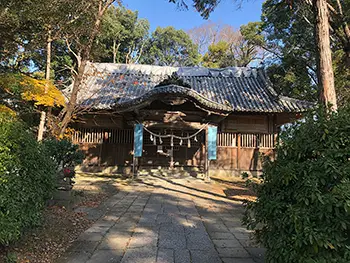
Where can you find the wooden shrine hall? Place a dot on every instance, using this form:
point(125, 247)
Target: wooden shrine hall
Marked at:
point(190, 117)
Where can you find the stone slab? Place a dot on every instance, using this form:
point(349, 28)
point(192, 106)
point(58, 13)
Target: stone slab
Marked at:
point(224, 243)
point(74, 257)
point(140, 255)
point(115, 241)
point(106, 256)
point(141, 240)
point(165, 255)
point(200, 256)
point(182, 256)
point(221, 235)
point(199, 241)
point(172, 240)
point(237, 260)
point(233, 252)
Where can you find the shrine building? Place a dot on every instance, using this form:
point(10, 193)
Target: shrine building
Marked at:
point(186, 117)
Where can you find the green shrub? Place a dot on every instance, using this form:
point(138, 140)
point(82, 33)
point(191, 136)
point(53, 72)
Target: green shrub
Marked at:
point(26, 179)
point(63, 152)
point(302, 213)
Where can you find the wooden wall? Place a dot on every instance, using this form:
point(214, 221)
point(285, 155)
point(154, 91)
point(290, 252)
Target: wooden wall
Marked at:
point(249, 159)
point(108, 141)
point(248, 123)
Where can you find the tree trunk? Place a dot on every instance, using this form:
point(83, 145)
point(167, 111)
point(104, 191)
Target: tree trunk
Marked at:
point(114, 51)
point(78, 80)
point(324, 54)
point(47, 77)
point(73, 98)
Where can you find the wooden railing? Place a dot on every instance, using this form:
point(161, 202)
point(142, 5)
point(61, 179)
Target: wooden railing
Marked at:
point(248, 140)
point(122, 136)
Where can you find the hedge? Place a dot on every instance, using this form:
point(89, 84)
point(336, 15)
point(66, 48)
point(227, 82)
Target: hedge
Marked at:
point(27, 178)
point(302, 213)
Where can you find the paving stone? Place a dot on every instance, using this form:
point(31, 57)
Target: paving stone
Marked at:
point(194, 222)
point(165, 255)
point(103, 223)
point(106, 256)
point(182, 256)
point(222, 243)
point(233, 252)
point(91, 236)
point(216, 227)
point(154, 230)
point(127, 217)
point(221, 235)
point(140, 255)
point(200, 256)
point(199, 241)
point(135, 208)
point(239, 230)
point(170, 227)
point(141, 240)
point(83, 246)
point(117, 231)
point(148, 219)
point(247, 237)
point(147, 223)
point(184, 226)
point(74, 257)
point(111, 202)
point(112, 217)
point(257, 253)
point(94, 214)
point(174, 240)
point(163, 218)
point(98, 229)
point(126, 226)
point(115, 241)
point(171, 209)
point(237, 260)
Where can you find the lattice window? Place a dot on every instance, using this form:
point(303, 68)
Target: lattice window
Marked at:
point(227, 139)
point(259, 140)
point(100, 135)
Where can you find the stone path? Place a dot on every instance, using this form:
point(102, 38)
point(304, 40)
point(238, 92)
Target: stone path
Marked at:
point(166, 221)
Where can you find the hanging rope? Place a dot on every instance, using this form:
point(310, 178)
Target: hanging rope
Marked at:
point(176, 137)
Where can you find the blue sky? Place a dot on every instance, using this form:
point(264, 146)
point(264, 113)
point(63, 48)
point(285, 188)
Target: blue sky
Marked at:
point(162, 13)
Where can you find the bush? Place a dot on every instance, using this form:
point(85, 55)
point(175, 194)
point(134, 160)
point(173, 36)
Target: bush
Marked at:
point(26, 179)
point(302, 213)
point(63, 152)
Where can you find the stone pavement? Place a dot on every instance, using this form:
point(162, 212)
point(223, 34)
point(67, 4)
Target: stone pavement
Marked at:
point(163, 220)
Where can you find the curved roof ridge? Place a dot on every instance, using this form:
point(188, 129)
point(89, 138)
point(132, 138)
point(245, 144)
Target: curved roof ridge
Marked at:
point(174, 89)
point(195, 71)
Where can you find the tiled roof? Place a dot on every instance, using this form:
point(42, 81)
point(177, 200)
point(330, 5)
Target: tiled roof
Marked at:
point(120, 86)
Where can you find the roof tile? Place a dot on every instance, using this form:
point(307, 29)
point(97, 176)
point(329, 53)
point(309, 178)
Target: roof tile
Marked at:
point(232, 89)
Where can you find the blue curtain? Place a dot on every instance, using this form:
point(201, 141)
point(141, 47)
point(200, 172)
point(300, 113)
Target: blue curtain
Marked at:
point(138, 140)
point(212, 135)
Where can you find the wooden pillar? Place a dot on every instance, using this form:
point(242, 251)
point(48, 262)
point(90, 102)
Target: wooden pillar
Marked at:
point(203, 153)
point(206, 155)
point(238, 150)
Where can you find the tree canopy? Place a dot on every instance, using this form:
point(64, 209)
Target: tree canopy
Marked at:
point(170, 47)
point(122, 37)
point(225, 46)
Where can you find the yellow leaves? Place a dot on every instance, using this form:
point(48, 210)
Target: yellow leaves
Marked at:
point(7, 111)
point(43, 92)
